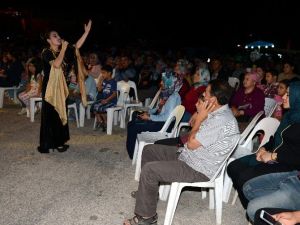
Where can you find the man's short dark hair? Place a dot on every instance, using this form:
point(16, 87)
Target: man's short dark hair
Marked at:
point(221, 90)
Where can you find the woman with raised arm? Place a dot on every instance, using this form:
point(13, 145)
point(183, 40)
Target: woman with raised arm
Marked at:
point(58, 60)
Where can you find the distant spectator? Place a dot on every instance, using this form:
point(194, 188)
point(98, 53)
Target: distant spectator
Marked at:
point(248, 100)
point(288, 71)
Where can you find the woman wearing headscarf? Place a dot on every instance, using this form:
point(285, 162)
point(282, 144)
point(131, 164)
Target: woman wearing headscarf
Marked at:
point(200, 80)
point(181, 71)
point(154, 119)
point(280, 154)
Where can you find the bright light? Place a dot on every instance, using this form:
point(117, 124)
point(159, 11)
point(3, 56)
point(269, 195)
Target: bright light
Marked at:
point(258, 46)
point(266, 46)
point(252, 47)
point(273, 46)
point(246, 47)
point(279, 55)
point(208, 60)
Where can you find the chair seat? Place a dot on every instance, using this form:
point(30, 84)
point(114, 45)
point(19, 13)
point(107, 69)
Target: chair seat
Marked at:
point(152, 136)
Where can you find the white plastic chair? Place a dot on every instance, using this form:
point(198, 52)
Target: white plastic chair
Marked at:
point(3, 89)
point(234, 82)
point(146, 138)
point(32, 103)
point(113, 112)
point(246, 132)
point(74, 107)
point(84, 110)
point(250, 126)
point(270, 106)
point(182, 124)
point(215, 185)
point(145, 108)
point(269, 125)
point(130, 103)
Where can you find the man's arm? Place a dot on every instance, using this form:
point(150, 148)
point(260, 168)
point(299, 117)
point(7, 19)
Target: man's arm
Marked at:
point(203, 109)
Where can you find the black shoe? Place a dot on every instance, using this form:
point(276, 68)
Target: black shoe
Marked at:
point(62, 148)
point(42, 150)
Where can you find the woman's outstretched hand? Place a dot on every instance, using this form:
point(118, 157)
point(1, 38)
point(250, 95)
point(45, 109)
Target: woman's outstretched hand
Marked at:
point(87, 27)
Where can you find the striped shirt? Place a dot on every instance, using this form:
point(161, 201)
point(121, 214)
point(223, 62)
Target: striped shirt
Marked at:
point(217, 134)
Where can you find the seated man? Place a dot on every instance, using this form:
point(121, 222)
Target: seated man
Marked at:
point(214, 133)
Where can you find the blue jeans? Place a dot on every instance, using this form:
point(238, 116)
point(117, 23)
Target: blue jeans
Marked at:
point(275, 190)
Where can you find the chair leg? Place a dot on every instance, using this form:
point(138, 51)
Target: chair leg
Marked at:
point(88, 112)
point(95, 122)
point(219, 199)
point(139, 161)
point(234, 198)
point(172, 203)
point(81, 115)
point(136, 149)
point(15, 96)
point(211, 198)
point(203, 193)
point(31, 111)
point(164, 191)
point(115, 117)
point(227, 184)
point(76, 116)
point(122, 118)
point(1, 97)
point(110, 116)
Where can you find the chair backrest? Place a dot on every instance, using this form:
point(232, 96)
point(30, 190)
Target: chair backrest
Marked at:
point(270, 106)
point(269, 125)
point(155, 99)
point(223, 165)
point(177, 113)
point(133, 85)
point(234, 82)
point(122, 92)
point(250, 126)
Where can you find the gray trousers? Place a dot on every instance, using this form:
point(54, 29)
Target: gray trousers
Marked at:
point(160, 164)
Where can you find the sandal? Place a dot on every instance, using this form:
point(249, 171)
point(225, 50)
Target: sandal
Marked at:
point(139, 220)
point(133, 194)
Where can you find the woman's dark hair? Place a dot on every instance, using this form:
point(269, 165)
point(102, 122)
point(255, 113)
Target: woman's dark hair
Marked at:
point(107, 68)
point(286, 82)
point(46, 35)
point(38, 66)
point(221, 90)
point(273, 72)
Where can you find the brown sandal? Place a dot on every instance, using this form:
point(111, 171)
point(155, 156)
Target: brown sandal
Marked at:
point(139, 220)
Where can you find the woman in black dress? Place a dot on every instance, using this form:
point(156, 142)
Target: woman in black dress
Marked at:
point(58, 59)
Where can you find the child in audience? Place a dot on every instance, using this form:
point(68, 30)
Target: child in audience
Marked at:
point(107, 96)
point(270, 89)
point(281, 90)
point(33, 88)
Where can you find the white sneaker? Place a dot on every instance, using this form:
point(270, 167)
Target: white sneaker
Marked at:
point(22, 112)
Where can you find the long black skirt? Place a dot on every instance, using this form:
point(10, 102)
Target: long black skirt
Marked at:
point(53, 133)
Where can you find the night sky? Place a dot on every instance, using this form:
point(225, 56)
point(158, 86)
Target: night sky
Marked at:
point(212, 24)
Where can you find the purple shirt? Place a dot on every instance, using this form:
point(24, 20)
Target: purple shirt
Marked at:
point(251, 103)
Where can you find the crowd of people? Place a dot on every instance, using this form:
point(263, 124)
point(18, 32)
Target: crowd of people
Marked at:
point(216, 112)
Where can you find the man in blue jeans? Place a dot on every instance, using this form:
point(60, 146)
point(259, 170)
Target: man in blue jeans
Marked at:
point(275, 190)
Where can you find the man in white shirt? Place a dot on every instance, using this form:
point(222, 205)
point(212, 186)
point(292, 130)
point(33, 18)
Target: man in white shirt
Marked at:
point(214, 133)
